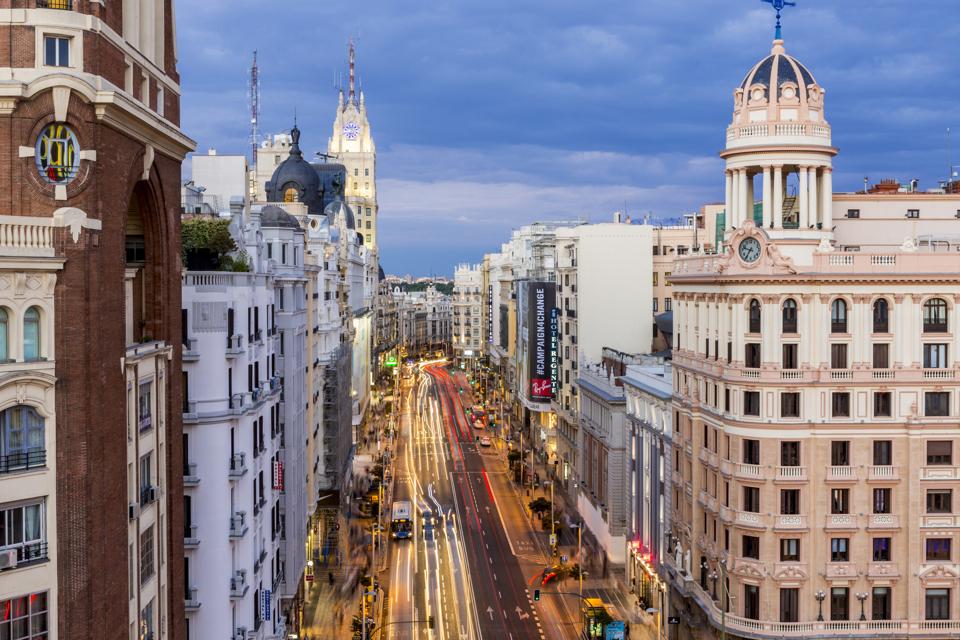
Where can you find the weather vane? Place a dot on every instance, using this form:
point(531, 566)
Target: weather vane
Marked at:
point(779, 6)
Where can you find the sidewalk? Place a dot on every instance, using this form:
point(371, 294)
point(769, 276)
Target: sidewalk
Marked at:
point(329, 609)
point(610, 587)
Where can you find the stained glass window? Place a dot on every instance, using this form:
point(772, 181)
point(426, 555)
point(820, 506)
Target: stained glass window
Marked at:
point(57, 154)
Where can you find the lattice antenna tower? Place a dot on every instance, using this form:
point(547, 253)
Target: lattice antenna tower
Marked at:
point(254, 99)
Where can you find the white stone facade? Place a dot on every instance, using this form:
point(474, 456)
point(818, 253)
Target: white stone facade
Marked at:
point(28, 419)
point(467, 316)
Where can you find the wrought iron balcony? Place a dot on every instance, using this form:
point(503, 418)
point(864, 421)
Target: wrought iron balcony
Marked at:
point(23, 460)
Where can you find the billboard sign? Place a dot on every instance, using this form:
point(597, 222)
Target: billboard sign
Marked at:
point(541, 342)
point(615, 630)
point(490, 337)
point(265, 604)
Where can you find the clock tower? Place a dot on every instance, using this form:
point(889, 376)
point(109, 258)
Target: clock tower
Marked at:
point(352, 146)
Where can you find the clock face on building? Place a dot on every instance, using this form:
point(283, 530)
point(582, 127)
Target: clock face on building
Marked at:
point(351, 130)
point(749, 250)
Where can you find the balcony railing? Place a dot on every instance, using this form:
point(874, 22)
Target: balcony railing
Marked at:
point(841, 521)
point(234, 345)
point(147, 495)
point(238, 524)
point(238, 584)
point(27, 554)
point(238, 465)
point(190, 477)
point(791, 474)
point(190, 353)
point(190, 538)
point(944, 472)
point(191, 599)
point(883, 521)
point(883, 473)
point(748, 471)
point(842, 473)
point(23, 460)
point(790, 523)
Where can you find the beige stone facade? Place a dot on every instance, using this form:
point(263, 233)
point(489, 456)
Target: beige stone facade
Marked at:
point(816, 396)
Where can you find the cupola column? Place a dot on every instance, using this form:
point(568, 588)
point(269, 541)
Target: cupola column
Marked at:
point(728, 217)
point(826, 212)
point(739, 189)
point(767, 199)
point(813, 203)
point(804, 197)
point(743, 212)
point(735, 198)
point(751, 197)
point(778, 197)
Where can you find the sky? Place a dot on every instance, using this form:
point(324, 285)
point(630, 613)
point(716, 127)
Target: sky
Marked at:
point(490, 115)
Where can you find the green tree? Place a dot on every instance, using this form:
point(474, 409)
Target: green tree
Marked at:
point(540, 506)
point(207, 245)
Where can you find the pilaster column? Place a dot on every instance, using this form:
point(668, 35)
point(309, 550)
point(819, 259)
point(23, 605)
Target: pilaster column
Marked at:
point(738, 315)
point(826, 208)
point(728, 202)
point(898, 328)
point(770, 338)
point(818, 333)
point(807, 337)
point(813, 203)
point(767, 198)
point(723, 313)
point(804, 193)
point(778, 197)
point(853, 327)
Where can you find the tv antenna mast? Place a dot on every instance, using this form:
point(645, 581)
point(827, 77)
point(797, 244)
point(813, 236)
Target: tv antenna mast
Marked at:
point(254, 97)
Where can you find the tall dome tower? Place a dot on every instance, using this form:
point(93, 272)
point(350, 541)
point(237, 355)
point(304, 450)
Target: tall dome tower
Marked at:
point(779, 130)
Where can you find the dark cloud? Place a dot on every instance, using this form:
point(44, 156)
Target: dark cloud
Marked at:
point(492, 114)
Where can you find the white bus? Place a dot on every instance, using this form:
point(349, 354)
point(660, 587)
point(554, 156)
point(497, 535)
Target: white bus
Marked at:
point(401, 524)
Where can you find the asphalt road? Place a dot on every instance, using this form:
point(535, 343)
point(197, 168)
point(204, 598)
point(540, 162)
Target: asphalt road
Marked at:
point(461, 569)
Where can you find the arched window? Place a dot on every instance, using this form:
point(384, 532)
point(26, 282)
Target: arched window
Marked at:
point(31, 334)
point(290, 194)
point(881, 316)
point(21, 439)
point(789, 316)
point(935, 316)
point(838, 316)
point(4, 335)
point(754, 316)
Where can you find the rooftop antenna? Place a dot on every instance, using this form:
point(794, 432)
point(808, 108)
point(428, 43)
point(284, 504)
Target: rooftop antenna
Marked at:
point(353, 61)
point(779, 5)
point(254, 96)
point(950, 170)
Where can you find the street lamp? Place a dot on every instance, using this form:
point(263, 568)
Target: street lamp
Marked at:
point(553, 524)
point(862, 597)
point(820, 596)
point(721, 572)
point(579, 528)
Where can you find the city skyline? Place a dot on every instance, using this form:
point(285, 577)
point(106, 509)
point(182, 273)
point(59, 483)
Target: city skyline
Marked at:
point(633, 118)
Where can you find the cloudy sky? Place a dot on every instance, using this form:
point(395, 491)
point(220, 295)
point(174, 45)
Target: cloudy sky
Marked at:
point(488, 115)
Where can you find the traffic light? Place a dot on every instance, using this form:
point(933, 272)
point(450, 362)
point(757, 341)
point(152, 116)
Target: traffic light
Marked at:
point(430, 623)
point(536, 595)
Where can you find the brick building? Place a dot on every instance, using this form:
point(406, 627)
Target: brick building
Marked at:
point(90, 155)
